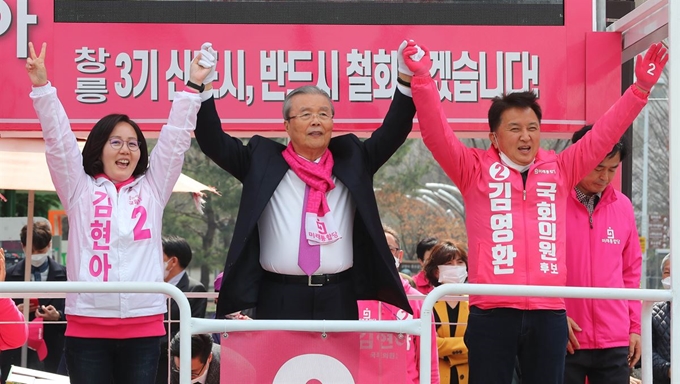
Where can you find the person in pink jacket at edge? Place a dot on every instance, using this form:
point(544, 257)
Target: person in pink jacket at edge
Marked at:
point(516, 195)
point(603, 251)
point(114, 194)
point(14, 332)
point(376, 310)
point(423, 252)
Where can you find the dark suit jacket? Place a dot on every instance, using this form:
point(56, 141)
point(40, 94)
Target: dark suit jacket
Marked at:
point(198, 305)
point(52, 333)
point(260, 166)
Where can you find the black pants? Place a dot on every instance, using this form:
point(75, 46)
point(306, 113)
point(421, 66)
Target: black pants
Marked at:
point(301, 302)
point(601, 366)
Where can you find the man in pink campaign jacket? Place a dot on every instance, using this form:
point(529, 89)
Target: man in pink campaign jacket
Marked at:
point(376, 310)
point(14, 333)
point(516, 198)
point(603, 251)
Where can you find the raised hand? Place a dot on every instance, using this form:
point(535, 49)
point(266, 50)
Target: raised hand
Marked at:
point(197, 73)
point(402, 67)
point(417, 59)
point(209, 60)
point(649, 69)
point(35, 65)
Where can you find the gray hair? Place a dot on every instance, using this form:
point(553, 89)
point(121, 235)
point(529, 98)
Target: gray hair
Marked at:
point(665, 260)
point(304, 90)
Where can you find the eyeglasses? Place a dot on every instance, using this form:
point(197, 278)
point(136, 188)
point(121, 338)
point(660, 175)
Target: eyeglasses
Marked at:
point(394, 250)
point(307, 116)
point(194, 375)
point(117, 144)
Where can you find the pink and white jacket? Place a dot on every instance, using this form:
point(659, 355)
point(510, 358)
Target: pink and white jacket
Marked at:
point(516, 232)
point(376, 310)
point(12, 335)
point(114, 235)
point(606, 255)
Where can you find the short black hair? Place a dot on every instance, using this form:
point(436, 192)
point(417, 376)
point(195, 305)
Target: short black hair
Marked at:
point(175, 246)
point(521, 100)
point(42, 234)
point(99, 137)
point(201, 346)
point(425, 245)
point(621, 147)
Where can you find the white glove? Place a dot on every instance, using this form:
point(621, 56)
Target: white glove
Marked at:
point(208, 60)
point(401, 67)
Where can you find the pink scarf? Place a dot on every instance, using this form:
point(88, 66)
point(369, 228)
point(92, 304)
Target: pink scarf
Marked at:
point(316, 175)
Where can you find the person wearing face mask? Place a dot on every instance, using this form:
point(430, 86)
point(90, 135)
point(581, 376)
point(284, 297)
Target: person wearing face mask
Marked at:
point(176, 258)
point(375, 310)
point(114, 194)
point(448, 265)
point(205, 360)
point(661, 330)
point(49, 310)
point(516, 202)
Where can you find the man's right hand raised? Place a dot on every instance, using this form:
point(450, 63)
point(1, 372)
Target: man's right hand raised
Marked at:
point(648, 69)
point(35, 65)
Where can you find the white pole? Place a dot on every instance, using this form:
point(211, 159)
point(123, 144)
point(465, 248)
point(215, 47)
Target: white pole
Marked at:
point(600, 15)
point(645, 180)
point(674, 182)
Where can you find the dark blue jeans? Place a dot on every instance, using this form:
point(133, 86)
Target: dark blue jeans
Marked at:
point(496, 337)
point(104, 361)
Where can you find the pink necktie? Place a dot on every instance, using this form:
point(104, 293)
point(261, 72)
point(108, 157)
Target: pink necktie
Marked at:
point(309, 256)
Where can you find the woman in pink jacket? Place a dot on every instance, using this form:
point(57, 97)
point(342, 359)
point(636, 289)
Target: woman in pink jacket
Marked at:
point(515, 194)
point(14, 333)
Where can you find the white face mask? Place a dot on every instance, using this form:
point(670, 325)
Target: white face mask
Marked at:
point(396, 262)
point(666, 283)
point(165, 269)
point(452, 274)
point(39, 259)
point(509, 163)
point(201, 379)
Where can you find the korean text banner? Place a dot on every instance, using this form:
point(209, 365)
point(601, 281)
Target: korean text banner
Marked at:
point(135, 68)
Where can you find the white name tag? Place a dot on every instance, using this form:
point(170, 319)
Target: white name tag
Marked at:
point(321, 230)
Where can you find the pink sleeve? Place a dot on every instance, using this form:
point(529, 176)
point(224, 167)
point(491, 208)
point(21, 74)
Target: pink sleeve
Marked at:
point(583, 156)
point(457, 160)
point(12, 335)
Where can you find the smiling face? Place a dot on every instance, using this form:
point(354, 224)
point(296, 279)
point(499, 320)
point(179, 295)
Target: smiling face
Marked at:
point(599, 178)
point(118, 164)
point(518, 135)
point(309, 138)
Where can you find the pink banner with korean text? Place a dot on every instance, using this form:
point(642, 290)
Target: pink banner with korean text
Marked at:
point(135, 68)
point(312, 357)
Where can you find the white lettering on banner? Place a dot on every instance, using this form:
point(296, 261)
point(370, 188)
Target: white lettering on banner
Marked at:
point(359, 86)
point(470, 78)
point(547, 227)
point(149, 73)
point(23, 20)
point(175, 70)
point(500, 199)
point(91, 90)
point(237, 89)
point(322, 74)
point(313, 366)
point(273, 67)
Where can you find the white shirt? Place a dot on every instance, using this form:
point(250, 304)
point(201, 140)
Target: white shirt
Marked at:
point(280, 224)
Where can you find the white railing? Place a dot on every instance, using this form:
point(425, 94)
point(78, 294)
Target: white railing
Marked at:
point(421, 327)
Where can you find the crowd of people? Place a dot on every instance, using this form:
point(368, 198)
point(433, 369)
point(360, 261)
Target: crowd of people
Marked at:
point(309, 242)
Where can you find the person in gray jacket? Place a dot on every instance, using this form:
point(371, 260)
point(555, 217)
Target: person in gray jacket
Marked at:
point(661, 330)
